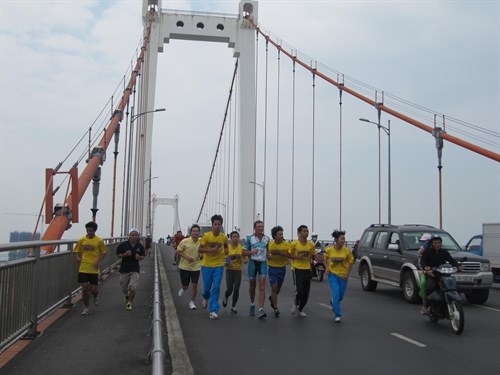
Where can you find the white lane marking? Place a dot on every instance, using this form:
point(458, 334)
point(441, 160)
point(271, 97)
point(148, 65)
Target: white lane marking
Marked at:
point(407, 339)
point(325, 305)
point(487, 308)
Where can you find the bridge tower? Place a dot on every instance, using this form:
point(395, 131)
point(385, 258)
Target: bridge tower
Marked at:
point(237, 33)
point(174, 202)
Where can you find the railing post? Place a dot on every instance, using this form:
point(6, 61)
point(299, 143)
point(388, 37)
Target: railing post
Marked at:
point(33, 332)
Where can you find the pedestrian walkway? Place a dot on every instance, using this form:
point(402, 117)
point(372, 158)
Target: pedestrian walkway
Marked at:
point(111, 340)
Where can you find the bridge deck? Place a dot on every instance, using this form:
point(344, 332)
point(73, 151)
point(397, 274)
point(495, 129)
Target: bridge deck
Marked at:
point(111, 340)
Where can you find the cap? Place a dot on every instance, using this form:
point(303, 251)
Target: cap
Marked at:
point(425, 237)
point(133, 230)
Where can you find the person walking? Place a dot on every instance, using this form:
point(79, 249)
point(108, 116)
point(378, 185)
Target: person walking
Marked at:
point(339, 260)
point(89, 251)
point(301, 252)
point(233, 265)
point(130, 252)
point(148, 244)
point(176, 241)
point(189, 264)
point(213, 247)
point(256, 248)
point(277, 261)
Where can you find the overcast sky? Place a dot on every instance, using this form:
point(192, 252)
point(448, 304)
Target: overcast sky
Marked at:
point(61, 61)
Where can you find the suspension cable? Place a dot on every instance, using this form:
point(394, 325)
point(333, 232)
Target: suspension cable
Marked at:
point(313, 142)
point(340, 154)
point(277, 137)
point(220, 140)
point(450, 138)
point(293, 145)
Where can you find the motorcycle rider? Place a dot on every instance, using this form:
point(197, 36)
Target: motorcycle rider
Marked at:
point(434, 256)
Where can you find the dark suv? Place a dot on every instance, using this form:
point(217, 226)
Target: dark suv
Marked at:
point(388, 254)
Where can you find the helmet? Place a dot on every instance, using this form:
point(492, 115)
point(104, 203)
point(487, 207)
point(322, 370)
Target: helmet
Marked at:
point(425, 237)
point(436, 237)
point(314, 234)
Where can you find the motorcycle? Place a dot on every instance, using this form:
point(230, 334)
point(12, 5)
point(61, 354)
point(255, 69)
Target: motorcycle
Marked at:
point(445, 302)
point(318, 265)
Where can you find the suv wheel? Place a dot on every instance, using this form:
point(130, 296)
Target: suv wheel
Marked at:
point(410, 288)
point(366, 279)
point(477, 297)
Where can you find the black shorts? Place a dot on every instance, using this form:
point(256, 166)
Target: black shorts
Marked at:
point(91, 278)
point(189, 276)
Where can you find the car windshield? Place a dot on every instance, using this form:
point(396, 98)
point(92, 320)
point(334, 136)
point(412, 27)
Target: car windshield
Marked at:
point(412, 241)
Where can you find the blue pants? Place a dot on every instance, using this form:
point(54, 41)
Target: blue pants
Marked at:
point(212, 277)
point(338, 286)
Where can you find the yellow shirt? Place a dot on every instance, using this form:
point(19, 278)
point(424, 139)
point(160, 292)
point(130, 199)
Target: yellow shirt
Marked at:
point(277, 260)
point(339, 260)
point(236, 257)
point(90, 250)
point(188, 247)
point(209, 240)
point(296, 248)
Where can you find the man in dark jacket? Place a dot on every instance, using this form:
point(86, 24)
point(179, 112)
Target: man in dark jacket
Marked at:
point(433, 257)
point(131, 252)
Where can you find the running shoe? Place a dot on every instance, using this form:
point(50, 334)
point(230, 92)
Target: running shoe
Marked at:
point(337, 319)
point(192, 306)
point(85, 312)
point(262, 314)
point(129, 306)
point(213, 315)
point(181, 292)
point(294, 309)
point(276, 312)
point(224, 301)
point(204, 303)
point(251, 312)
point(233, 310)
point(302, 314)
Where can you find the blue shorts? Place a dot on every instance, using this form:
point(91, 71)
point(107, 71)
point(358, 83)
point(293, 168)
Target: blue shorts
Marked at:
point(256, 267)
point(276, 275)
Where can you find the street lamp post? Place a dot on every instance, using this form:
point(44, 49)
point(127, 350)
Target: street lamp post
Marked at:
point(129, 165)
point(263, 197)
point(387, 130)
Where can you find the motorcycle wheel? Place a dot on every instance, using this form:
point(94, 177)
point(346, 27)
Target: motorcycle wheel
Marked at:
point(321, 274)
point(456, 316)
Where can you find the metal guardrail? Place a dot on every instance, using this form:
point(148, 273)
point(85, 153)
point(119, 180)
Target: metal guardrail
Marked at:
point(157, 354)
point(32, 287)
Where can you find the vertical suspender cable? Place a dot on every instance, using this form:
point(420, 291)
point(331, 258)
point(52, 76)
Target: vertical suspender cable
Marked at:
point(340, 153)
point(113, 190)
point(256, 107)
point(125, 154)
point(313, 143)
point(265, 132)
point(228, 156)
point(235, 123)
point(277, 138)
point(293, 144)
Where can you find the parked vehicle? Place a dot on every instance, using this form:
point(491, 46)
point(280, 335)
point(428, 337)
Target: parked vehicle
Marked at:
point(388, 254)
point(487, 245)
point(445, 302)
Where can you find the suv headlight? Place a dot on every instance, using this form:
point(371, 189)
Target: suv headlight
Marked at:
point(485, 267)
